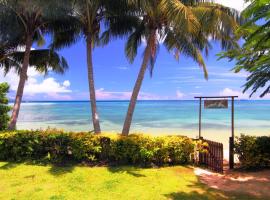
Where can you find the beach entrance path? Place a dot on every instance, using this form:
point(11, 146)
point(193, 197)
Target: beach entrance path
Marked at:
point(251, 183)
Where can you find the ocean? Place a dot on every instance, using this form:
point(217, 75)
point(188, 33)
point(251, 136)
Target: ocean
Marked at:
point(151, 117)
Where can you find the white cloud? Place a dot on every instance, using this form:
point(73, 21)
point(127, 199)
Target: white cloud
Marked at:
point(48, 85)
point(66, 83)
point(239, 5)
point(22, 48)
point(36, 84)
point(230, 92)
point(57, 96)
point(102, 94)
point(179, 95)
point(267, 97)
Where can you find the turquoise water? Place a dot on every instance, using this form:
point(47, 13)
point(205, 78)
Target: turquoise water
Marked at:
point(153, 117)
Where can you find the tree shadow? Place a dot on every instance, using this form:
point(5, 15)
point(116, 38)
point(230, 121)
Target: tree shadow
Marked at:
point(201, 191)
point(255, 184)
point(126, 169)
point(186, 196)
point(9, 165)
point(55, 169)
point(59, 170)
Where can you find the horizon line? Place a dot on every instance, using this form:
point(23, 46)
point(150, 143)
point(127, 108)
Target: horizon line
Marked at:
point(115, 100)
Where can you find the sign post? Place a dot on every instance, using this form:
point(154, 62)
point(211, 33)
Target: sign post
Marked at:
point(200, 119)
point(219, 102)
point(231, 142)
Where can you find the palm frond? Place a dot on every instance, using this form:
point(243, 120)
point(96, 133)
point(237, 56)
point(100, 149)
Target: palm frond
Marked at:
point(188, 45)
point(42, 60)
point(133, 42)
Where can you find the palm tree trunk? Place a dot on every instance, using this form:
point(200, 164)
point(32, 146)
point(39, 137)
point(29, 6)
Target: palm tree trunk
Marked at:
point(136, 89)
point(23, 78)
point(92, 91)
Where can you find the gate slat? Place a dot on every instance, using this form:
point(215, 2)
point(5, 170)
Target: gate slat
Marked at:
point(213, 159)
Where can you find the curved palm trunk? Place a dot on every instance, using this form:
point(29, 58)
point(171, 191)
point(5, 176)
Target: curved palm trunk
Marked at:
point(136, 89)
point(91, 83)
point(23, 78)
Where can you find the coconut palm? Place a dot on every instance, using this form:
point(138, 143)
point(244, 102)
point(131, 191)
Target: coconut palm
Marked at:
point(22, 23)
point(86, 18)
point(182, 26)
point(42, 60)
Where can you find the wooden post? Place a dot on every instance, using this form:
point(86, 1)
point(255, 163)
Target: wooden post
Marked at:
point(231, 142)
point(200, 119)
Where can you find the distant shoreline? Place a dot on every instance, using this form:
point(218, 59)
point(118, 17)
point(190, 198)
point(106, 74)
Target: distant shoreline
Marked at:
point(70, 101)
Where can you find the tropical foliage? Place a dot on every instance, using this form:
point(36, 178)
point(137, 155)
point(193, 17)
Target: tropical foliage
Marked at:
point(253, 152)
point(4, 108)
point(22, 23)
point(254, 55)
point(85, 21)
point(57, 146)
point(183, 27)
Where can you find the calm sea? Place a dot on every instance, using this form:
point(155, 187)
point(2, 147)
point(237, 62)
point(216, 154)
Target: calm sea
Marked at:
point(153, 117)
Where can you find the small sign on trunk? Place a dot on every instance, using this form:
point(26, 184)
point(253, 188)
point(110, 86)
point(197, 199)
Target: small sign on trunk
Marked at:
point(216, 104)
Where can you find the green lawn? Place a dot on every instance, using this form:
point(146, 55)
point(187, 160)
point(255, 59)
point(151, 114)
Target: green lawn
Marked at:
point(24, 181)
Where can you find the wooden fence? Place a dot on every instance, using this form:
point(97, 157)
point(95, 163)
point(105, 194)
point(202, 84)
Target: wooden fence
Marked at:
point(213, 158)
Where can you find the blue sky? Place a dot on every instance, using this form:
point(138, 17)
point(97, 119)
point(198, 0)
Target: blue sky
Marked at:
point(115, 77)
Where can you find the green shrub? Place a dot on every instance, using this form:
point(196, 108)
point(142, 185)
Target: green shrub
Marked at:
point(57, 147)
point(4, 108)
point(253, 152)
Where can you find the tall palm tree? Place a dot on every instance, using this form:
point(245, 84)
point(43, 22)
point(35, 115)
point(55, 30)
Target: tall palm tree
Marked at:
point(183, 27)
point(87, 17)
point(24, 22)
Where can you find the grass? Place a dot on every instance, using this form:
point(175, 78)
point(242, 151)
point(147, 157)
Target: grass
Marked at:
point(25, 181)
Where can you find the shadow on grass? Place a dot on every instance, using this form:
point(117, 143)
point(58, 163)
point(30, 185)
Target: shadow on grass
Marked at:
point(65, 168)
point(58, 170)
point(126, 169)
point(9, 165)
point(207, 196)
point(55, 169)
point(201, 191)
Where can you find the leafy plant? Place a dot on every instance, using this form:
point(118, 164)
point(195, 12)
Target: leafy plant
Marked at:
point(253, 152)
point(4, 108)
point(254, 55)
point(58, 147)
point(23, 23)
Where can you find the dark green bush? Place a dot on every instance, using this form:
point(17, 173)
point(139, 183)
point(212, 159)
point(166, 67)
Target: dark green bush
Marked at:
point(4, 108)
point(57, 147)
point(253, 152)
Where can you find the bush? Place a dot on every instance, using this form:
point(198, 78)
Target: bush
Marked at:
point(57, 147)
point(4, 108)
point(253, 152)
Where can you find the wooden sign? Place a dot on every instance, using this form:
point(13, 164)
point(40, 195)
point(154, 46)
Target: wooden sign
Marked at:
point(216, 104)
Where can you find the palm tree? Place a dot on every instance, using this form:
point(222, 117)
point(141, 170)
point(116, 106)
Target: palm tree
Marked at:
point(182, 26)
point(42, 60)
point(22, 23)
point(86, 18)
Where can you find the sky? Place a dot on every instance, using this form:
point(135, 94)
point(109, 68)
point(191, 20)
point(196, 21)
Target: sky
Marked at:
point(115, 76)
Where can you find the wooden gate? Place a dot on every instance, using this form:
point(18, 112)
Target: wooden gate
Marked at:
point(213, 158)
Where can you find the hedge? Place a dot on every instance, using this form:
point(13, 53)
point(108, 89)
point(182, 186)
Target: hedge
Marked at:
point(253, 152)
point(56, 146)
